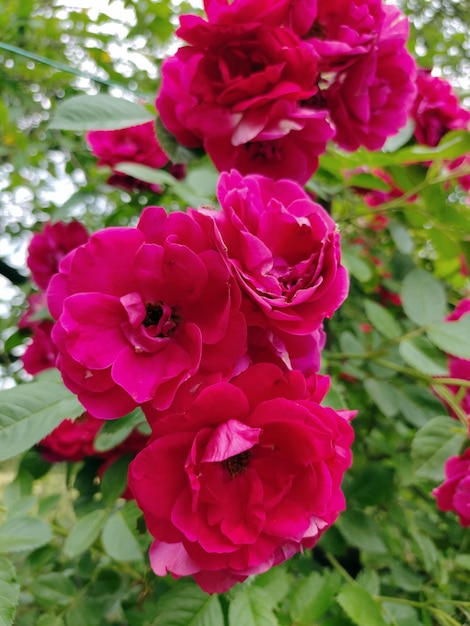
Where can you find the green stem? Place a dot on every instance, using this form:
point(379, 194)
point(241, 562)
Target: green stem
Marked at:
point(449, 398)
point(62, 67)
point(339, 568)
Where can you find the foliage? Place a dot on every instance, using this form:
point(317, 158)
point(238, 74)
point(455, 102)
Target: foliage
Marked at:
point(72, 551)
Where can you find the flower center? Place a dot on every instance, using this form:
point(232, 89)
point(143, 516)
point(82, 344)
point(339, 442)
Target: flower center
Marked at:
point(263, 150)
point(237, 464)
point(154, 314)
point(160, 319)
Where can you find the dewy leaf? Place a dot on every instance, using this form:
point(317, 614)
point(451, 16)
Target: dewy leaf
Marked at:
point(9, 592)
point(382, 320)
point(423, 297)
point(99, 112)
point(31, 411)
point(27, 533)
point(251, 607)
point(187, 605)
point(360, 606)
point(84, 532)
point(452, 337)
point(433, 444)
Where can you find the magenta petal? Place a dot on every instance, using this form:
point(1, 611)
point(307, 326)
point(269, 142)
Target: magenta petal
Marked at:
point(93, 321)
point(171, 557)
point(229, 439)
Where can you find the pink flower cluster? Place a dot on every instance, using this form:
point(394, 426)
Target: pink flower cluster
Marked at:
point(263, 87)
point(211, 321)
point(454, 493)
point(136, 144)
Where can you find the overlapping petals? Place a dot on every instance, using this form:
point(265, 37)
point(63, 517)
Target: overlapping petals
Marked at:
point(243, 479)
point(454, 493)
point(136, 308)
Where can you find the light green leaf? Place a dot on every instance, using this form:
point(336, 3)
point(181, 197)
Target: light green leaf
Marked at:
point(119, 541)
point(423, 356)
point(433, 444)
point(311, 598)
point(361, 531)
point(31, 411)
point(401, 237)
point(251, 607)
point(356, 266)
point(423, 297)
point(360, 606)
point(50, 620)
point(53, 590)
point(27, 533)
point(99, 112)
point(187, 605)
point(452, 337)
point(383, 394)
point(9, 592)
point(454, 144)
point(84, 532)
point(382, 320)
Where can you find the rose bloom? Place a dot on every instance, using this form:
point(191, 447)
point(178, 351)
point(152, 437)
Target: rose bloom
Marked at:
point(436, 109)
point(454, 493)
point(48, 247)
point(243, 479)
point(141, 310)
point(460, 368)
point(41, 352)
point(344, 30)
point(72, 440)
point(137, 144)
point(370, 101)
point(284, 250)
point(298, 15)
point(236, 89)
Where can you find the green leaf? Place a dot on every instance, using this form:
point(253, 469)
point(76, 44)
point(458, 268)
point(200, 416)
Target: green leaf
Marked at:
point(25, 533)
point(356, 266)
point(187, 605)
point(361, 531)
point(401, 237)
point(423, 356)
point(114, 480)
point(119, 541)
point(84, 532)
point(53, 590)
point(251, 607)
point(452, 337)
point(311, 598)
point(31, 411)
point(99, 112)
point(175, 152)
point(382, 320)
point(433, 444)
point(9, 592)
point(383, 394)
point(373, 484)
point(454, 144)
point(423, 297)
point(114, 432)
point(360, 606)
point(50, 620)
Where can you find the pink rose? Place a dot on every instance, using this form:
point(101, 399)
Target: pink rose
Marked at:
point(141, 310)
point(284, 250)
point(48, 247)
point(344, 30)
point(454, 493)
point(295, 14)
point(137, 144)
point(436, 109)
point(274, 152)
point(72, 440)
point(41, 352)
point(371, 100)
point(236, 90)
point(246, 477)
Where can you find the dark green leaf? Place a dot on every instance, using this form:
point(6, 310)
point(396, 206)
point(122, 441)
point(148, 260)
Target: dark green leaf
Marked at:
point(175, 152)
point(114, 432)
point(187, 605)
point(53, 590)
point(251, 607)
point(311, 598)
